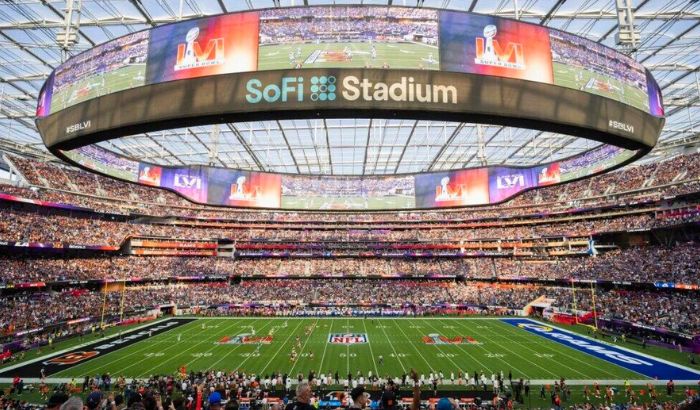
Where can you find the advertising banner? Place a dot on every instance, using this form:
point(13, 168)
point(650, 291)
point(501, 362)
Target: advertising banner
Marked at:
point(190, 182)
point(505, 182)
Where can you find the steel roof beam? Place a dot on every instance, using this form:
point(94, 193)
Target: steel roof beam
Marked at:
point(247, 147)
point(289, 147)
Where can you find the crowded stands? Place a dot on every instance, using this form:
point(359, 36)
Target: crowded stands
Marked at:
point(413, 263)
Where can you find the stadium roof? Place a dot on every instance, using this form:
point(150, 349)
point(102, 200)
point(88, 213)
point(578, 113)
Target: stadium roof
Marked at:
point(669, 46)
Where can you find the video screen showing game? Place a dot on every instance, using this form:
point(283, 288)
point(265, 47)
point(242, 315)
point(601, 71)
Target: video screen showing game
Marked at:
point(113, 66)
point(349, 37)
point(347, 193)
point(588, 66)
point(104, 161)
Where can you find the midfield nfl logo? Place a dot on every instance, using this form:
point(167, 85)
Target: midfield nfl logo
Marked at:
point(347, 338)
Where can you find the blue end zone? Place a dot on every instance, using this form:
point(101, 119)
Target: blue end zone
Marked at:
point(640, 363)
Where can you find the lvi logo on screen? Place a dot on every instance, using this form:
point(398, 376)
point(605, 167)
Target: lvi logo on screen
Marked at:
point(191, 55)
point(490, 52)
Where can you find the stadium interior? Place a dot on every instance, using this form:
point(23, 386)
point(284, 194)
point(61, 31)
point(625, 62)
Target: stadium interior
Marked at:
point(115, 294)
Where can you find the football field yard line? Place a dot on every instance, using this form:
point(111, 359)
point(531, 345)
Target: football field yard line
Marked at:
point(82, 344)
point(369, 342)
point(522, 357)
point(146, 373)
point(234, 349)
point(465, 351)
point(301, 321)
point(509, 364)
point(347, 346)
point(660, 362)
point(510, 330)
point(393, 349)
point(413, 344)
point(303, 347)
point(93, 365)
point(325, 346)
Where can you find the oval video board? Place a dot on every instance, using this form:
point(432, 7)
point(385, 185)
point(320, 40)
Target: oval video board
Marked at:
point(350, 61)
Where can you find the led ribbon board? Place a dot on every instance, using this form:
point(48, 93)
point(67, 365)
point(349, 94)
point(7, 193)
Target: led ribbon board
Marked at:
point(385, 62)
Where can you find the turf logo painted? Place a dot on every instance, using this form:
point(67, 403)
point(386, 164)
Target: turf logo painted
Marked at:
point(347, 338)
point(71, 358)
point(537, 328)
point(611, 354)
point(436, 339)
point(245, 339)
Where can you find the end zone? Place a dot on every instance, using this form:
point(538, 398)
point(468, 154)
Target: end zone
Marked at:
point(641, 363)
point(64, 359)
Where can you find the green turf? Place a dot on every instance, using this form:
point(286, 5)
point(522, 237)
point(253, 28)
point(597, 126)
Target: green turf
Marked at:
point(396, 55)
point(94, 86)
point(317, 202)
point(71, 342)
point(503, 348)
point(565, 75)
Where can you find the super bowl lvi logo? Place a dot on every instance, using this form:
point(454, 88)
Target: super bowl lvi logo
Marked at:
point(436, 339)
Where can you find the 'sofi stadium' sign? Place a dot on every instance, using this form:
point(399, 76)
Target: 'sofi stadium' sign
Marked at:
point(385, 62)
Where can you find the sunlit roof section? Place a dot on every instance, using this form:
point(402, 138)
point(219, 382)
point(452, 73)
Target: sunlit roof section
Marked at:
point(669, 46)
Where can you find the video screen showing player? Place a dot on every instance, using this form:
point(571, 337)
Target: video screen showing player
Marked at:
point(351, 36)
point(114, 66)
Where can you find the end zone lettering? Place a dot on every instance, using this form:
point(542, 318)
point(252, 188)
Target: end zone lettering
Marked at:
point(637, 362)
point(347, 338)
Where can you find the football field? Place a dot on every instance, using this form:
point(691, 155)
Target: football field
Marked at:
point(589, 81)
point(317, 202)
point(132, 75)
point(348, 55)
point(386, 347)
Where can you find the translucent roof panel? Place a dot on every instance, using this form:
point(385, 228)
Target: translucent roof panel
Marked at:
point(669, 46)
